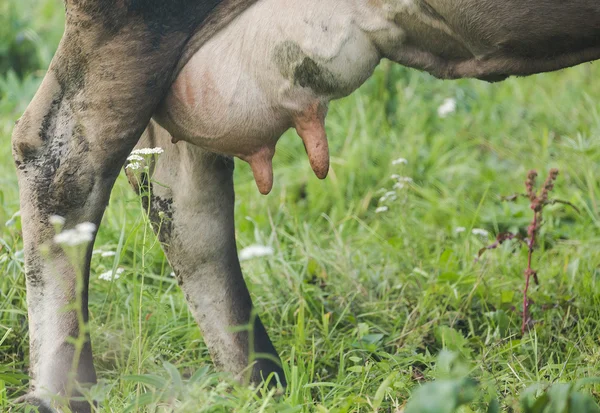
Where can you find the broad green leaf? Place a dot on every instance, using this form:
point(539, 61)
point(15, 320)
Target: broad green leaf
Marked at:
point(559, 398)
point(583, 403)
point(383, 387)
point(147, 379)
point(507, 296)
point(494, 406)
point(529, 399)
point(199, 374)
point(141, 401)
point(174, 373)
point(541, 404)
point(442, 396)
point(586, 382)
point(453, 340)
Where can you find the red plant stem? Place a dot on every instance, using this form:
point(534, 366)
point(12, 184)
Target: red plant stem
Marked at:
point(528, 273)
point(525, 304)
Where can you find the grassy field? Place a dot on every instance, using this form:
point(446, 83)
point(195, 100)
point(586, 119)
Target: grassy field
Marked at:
point(364, 307)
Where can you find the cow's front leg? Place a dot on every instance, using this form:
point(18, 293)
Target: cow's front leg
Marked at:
point(95, 101)
point(62, 172)
point(191, 209)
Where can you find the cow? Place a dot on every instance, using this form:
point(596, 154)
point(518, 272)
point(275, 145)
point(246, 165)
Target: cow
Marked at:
point(207, 80)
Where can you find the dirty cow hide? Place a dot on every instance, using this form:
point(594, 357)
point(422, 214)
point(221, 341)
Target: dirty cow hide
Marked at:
point(224, 78)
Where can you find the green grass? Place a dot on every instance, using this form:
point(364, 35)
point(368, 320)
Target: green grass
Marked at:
point(359, 304)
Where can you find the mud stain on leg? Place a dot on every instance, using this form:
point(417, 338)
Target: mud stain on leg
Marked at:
point(160, 210)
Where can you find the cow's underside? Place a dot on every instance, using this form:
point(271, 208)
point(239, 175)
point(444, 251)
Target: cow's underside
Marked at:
point(115, 64)
point(492, 40)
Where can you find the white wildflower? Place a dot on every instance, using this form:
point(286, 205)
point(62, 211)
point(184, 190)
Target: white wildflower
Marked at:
point(420, 272)
point(147, 151)
point(255, 251)
point(458, 230)
point(133, 165)
point(13, 219)
point(57, 220)
point(81, 234)
point(86, 227)
point(401, 181)
point(109, 276)
point(105, 254)
point(401, 178)
point(135, 157)
point(480, 231)
point(399, 161)
point(447, 107)
point(381, 209)
point(72, 237)
point(172, 274)
point(389, 195)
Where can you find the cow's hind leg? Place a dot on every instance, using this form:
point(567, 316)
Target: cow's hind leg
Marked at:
point(191, 209)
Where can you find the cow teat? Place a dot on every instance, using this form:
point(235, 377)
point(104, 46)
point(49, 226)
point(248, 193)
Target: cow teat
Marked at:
point(261, 163)
point(310, 126)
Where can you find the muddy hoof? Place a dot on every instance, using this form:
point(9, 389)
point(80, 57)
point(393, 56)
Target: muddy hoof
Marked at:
point(44, 406)
point(31, 400)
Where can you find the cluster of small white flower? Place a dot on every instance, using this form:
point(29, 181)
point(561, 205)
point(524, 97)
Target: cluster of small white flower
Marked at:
point(135, 158)
point(133, 166)
point(479, 231)
point(13, 220)
point(447, 107)
point(401, 181)
point(255, 251)
point(475, 231)
point(390, 196)
point(81, 234)
point(147, 151)
point(109, 275)
point(57, 220)
point(104, 254)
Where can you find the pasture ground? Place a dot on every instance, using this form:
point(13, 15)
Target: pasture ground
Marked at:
point(358, 303)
